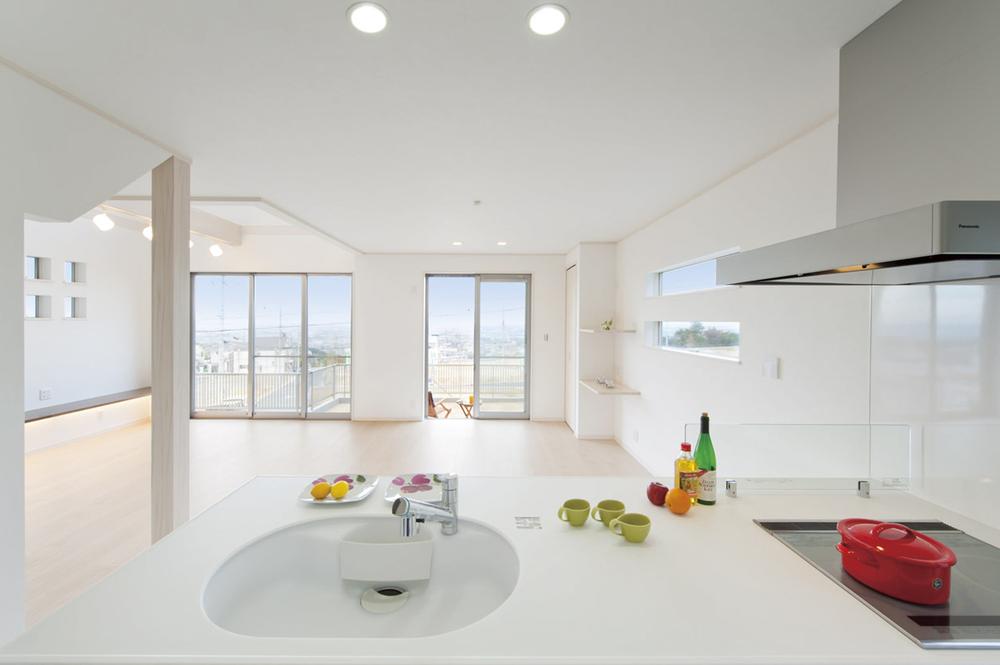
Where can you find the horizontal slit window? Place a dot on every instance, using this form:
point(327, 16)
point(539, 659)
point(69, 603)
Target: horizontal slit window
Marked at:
point(718, 339)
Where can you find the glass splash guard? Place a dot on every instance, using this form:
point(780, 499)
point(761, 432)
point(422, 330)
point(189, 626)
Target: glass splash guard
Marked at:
point(787, 457)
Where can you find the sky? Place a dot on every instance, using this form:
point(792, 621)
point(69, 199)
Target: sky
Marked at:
point(451, 303)
point(222, 302)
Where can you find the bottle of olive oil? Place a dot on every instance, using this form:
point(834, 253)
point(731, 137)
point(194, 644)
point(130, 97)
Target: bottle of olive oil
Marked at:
point(704, 459)
point(686, 472)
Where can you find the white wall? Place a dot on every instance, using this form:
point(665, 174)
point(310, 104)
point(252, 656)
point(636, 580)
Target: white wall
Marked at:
point(68, 427)
point(389, 329)
point(388, 317)
point(11, 420)
point(58, 161)
point(66, 159)
point(108, 352)
point(919, 103)
point(595, 352)
point(820, 334)
point(306, 252)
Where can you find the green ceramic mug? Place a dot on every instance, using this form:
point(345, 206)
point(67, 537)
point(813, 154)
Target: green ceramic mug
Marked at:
point(575, 511)
point(607, 510)
point(634, 526)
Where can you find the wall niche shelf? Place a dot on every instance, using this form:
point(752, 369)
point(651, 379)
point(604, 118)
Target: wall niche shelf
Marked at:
point(596, 388)
point(598, 331)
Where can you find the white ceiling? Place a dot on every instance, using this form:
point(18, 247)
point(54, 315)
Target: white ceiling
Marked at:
point(244, 214)
point(384, 141)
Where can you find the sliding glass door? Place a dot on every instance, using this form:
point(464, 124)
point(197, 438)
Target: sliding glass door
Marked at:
point(277, 348)
point(220, 349)
point(477, 346)
point(328, 345)
point(274, 345)
point(502, 323)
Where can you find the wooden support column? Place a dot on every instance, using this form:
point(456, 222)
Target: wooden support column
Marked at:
point(171, 366)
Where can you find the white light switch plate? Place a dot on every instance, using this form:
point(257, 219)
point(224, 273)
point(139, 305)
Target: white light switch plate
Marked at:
point(771, 367)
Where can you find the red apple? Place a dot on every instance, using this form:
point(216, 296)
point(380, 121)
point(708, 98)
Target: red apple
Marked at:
point(657, 493)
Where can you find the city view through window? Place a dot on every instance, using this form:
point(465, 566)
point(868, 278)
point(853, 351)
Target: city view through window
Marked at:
point(452, 364)
point(291, 375)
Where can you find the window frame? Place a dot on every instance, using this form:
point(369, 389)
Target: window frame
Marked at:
point(656, 277)
point(36, 268)
point(659, 343)
point(77, 306)
point(251, 412)
point(75, 271)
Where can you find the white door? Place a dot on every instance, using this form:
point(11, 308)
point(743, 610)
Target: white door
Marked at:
point(572, 337)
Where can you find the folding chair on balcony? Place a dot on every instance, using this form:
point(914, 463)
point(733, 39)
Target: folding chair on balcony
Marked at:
point(433, 407)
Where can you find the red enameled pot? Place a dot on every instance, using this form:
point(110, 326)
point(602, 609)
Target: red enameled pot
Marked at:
point(896, 560)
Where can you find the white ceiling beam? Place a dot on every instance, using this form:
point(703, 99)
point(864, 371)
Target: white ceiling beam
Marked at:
point(203, 223)
point(209, 225)
point(263, 204)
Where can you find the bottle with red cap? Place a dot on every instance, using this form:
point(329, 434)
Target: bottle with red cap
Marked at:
point(686, 472)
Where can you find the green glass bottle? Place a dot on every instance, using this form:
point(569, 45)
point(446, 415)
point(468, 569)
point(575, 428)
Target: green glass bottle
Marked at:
point(704, 458)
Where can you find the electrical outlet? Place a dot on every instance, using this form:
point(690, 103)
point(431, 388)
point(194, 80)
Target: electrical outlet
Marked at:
point(545, 337)
point(44, 394)
point(635, 435)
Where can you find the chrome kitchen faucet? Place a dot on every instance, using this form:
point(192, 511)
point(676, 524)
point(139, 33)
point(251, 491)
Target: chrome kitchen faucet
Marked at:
point(414, 512)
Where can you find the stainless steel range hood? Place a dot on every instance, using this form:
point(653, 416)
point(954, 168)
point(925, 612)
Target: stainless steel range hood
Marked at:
point(941, 242)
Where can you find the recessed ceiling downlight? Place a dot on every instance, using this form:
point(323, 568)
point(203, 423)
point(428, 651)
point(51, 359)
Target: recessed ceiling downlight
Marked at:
point(368, 17)
point(147, 233)
point(456, 243)
point(215, 250)
point(547, 19)
point(103, 222)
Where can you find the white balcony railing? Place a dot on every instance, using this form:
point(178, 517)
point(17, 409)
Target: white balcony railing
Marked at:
point(499, 380)
point(274, 391)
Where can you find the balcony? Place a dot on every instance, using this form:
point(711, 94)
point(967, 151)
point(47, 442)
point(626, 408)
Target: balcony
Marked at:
point(328, 391)
point(501, 385)
point(502, 388)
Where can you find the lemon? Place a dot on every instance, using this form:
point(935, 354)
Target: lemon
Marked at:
point(320, 490)
point(339, 489)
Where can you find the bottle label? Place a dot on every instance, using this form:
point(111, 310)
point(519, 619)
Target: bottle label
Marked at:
point(688, 482)
point(706, 485)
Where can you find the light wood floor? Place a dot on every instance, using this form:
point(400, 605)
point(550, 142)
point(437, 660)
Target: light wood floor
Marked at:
point(88, 501)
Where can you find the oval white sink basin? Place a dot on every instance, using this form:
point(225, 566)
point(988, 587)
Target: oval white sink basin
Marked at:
point(288, 584)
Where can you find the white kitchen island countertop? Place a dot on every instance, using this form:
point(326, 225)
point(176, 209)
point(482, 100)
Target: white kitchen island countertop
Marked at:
point(708, 587)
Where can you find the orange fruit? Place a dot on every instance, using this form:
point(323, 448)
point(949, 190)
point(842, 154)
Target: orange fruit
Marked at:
point(678, 501)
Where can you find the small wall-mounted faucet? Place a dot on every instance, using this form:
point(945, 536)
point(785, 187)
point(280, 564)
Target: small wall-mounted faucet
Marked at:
point(414, 512)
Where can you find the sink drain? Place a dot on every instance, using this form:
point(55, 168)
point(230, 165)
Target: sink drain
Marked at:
point(384, 599)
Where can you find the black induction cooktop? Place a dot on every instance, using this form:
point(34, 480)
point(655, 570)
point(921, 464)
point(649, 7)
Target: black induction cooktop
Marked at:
point(970, 619)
